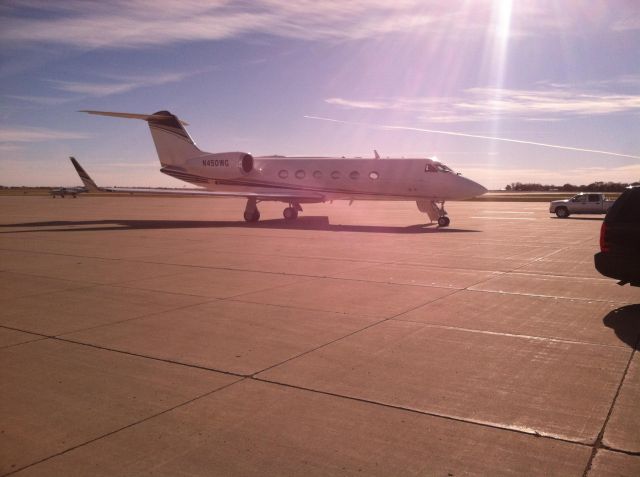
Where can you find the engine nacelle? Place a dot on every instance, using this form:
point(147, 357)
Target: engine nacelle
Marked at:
point(246, 163)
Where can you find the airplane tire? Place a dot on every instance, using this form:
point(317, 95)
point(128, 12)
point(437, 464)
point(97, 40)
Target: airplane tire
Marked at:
point(562, 212)
point(252, 216)
point(444, 221)
point(290, 213)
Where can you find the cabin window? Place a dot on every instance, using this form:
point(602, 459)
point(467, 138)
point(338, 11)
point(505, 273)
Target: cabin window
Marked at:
point(335, 175)
point(354, 175)
point(373, 175)
point(283, 174)
point(300, 174)
point(317, 174)
point(430, 168)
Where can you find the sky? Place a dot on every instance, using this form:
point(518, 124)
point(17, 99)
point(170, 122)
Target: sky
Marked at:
point(409, 78)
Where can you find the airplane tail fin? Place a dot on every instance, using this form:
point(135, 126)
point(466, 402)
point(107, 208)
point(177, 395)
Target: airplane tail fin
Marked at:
point(84, 177)
point(173, 143)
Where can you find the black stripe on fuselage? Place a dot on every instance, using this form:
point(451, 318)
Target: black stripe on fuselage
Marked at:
point(271, 185)
point(179, 133)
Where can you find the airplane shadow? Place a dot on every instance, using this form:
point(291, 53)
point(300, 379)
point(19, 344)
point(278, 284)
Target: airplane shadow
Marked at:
point(625, 322)
point(301, 223)
point(601, 218)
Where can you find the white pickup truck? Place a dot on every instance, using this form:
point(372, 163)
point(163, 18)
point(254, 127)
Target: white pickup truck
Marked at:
point(583, 203)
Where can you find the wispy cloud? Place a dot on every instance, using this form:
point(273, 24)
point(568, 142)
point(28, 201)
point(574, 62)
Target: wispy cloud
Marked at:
point(145, 23)
point(476, 136)
point(27, 135)
point(628, 23)
point(553, 103)
point(117, 84)
point(45, 100)
point(141, 23)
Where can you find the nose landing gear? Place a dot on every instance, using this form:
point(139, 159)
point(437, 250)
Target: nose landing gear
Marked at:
point(444, 221)
point(435, 210)
point(291, 212)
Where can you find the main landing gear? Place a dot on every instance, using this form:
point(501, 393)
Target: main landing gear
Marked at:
point(435, 210)
point(252, 214)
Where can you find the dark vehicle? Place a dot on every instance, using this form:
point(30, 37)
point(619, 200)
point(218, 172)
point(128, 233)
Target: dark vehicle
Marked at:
point(619, 255)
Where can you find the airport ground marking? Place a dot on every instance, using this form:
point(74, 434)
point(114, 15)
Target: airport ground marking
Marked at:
point(511, 335)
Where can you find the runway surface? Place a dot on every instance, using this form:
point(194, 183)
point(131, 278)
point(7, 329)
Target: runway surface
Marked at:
point(145, 336)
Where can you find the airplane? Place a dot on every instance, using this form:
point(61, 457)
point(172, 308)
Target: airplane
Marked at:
point(62, 191)
point(294, 180)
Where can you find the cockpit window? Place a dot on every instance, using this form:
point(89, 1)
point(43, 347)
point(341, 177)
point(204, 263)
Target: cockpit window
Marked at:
point(436, 167)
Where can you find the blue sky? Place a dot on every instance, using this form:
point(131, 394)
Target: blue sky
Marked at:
point(247, 75)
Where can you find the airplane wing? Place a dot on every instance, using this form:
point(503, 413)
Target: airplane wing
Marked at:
point(284, 196)
point(263, 196)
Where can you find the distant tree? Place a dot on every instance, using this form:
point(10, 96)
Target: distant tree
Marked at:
point(597, 186)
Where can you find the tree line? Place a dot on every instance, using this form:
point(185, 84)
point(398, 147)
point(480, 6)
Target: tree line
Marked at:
point(593, 187)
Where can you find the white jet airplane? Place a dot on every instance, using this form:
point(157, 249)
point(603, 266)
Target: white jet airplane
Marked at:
point(295, 180)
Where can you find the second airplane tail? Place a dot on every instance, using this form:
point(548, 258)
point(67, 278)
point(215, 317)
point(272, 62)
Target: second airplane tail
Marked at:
point(84, 177)
point(173, 143)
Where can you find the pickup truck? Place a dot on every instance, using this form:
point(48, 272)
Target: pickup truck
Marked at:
point(583, 203)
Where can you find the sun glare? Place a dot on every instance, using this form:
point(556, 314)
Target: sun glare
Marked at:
point(499, 30)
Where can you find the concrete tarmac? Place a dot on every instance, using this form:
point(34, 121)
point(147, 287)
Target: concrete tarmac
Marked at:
point(151, 336)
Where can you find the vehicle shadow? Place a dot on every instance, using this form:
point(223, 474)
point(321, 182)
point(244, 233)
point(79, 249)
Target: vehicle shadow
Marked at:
point(625, 322)
point(302, 223)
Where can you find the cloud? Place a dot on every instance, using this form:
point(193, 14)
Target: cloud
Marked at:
point(27, 135)
point(46, 100)
point(627, 24)
point(117, 85)
point(143, 23)
point(551, 103)
point(147, 23)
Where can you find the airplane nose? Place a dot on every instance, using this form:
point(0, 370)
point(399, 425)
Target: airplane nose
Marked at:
point(473, 189)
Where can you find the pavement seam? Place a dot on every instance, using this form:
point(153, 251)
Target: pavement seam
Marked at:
point(79, 287)
point(154, 358)
point(39, 338)
point(149, 261)
point(425, 413)
point(333, 341)
point(597, 445)
point(90, 441)
point(147, 315)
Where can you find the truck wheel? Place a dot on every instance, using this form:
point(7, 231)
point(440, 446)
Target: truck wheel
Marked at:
point(562, 212)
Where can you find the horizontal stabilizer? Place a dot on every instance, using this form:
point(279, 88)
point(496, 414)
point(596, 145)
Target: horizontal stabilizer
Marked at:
point(144, 117)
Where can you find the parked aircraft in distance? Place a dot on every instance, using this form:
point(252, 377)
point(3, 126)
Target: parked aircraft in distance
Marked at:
point(295, 180)
point(62, 191)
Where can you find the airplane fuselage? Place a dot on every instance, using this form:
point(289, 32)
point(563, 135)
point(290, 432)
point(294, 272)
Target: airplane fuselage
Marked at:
point(329, 178)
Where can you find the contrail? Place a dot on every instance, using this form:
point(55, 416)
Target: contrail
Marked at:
point(452, 133)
